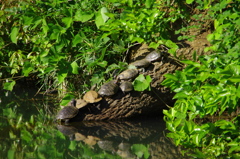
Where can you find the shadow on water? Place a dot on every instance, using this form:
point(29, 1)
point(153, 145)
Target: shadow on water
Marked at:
point(28, 131)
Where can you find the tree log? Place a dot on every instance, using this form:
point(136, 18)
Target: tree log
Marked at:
point(134, 104)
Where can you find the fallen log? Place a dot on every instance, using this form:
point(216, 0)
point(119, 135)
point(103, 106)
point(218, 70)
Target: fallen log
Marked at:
point(134, 104)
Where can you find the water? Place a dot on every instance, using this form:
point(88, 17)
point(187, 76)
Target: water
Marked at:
point(28, 131)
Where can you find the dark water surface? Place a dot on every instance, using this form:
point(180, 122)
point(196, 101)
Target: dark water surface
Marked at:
point(28, 131)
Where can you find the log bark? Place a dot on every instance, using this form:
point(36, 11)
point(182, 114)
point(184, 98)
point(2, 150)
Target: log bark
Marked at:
point(135, 104)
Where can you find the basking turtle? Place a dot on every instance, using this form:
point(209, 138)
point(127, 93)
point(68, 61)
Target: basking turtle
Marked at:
point(68, 112)
point(141, 63)
point(81, 103)
point(128, 74)
point(108, 89)
point(92, 97)
point(153, 56)
point(126, 86)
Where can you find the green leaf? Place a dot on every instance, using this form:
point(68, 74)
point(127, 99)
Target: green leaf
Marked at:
point(141, 83)
point(153, 45)
point(189, 62)
point(76, 40)
point(61, 76)
point(181, 95)
point(104, 16)
point(75, 67)
point(102, 64)
point(149, 3)
point(14, 34)
point(9, 85)
point(27, 68)
point(83, 17)
point(67, 21)
point(189, 1)
point(171, 76)
point(72, 145)
point(11, 154)
point(66, 99)
point(210, 37)
point(234, 79)
point(101, 18)
point(140, 150)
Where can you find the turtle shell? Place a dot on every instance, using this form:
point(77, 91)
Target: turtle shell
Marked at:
point(81, 103)
point(67, 112)
point(140, 63)
point(126, 86)
point(92, 97)
point(108, 89)
point(128, 74)
point(153, 56)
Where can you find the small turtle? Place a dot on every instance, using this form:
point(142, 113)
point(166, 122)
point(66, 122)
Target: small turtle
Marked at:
point(126, 86)
point(92, 97)
point(140, 63)
point(153, 56)
point(108, 89)
point(128, 74)
point(81, 103)
point(68, 112)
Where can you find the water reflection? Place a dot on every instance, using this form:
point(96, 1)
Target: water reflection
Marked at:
point(28, 131)
point(124, 139)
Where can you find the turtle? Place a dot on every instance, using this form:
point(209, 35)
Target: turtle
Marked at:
point(108, 89)
point(141, 63)
point(68, 112)
point(153, 56)
point(81, 103)
point(126, 86)
point(128, 74)
point(92, 97)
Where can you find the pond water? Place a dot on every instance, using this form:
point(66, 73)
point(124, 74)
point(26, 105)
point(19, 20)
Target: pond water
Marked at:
point(28, 131)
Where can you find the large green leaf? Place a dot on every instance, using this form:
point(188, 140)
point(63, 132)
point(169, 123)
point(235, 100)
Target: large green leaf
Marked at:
point(141, 83)
point(101, 17)
point(14, 34)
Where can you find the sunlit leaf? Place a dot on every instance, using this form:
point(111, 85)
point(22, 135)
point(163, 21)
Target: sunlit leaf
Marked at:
point(14, 34)
point(67, 21)
point(189, 62)
point(189, 1)
point(83, 17)
point(61, 77)
point(234, 79)
point(72, 145)
point(27, 68)
point(76, 40)
point(75, 67)
point(141, 83)
point(101, 17)
point(9, 85)
point(102, 64)
point(66, 99)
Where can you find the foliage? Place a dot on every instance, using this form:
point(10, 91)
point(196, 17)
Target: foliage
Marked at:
point(209, 88)
point(59, 41)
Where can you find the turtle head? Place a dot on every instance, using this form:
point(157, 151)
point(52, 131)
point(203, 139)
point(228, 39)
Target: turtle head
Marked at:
point(73, 102)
